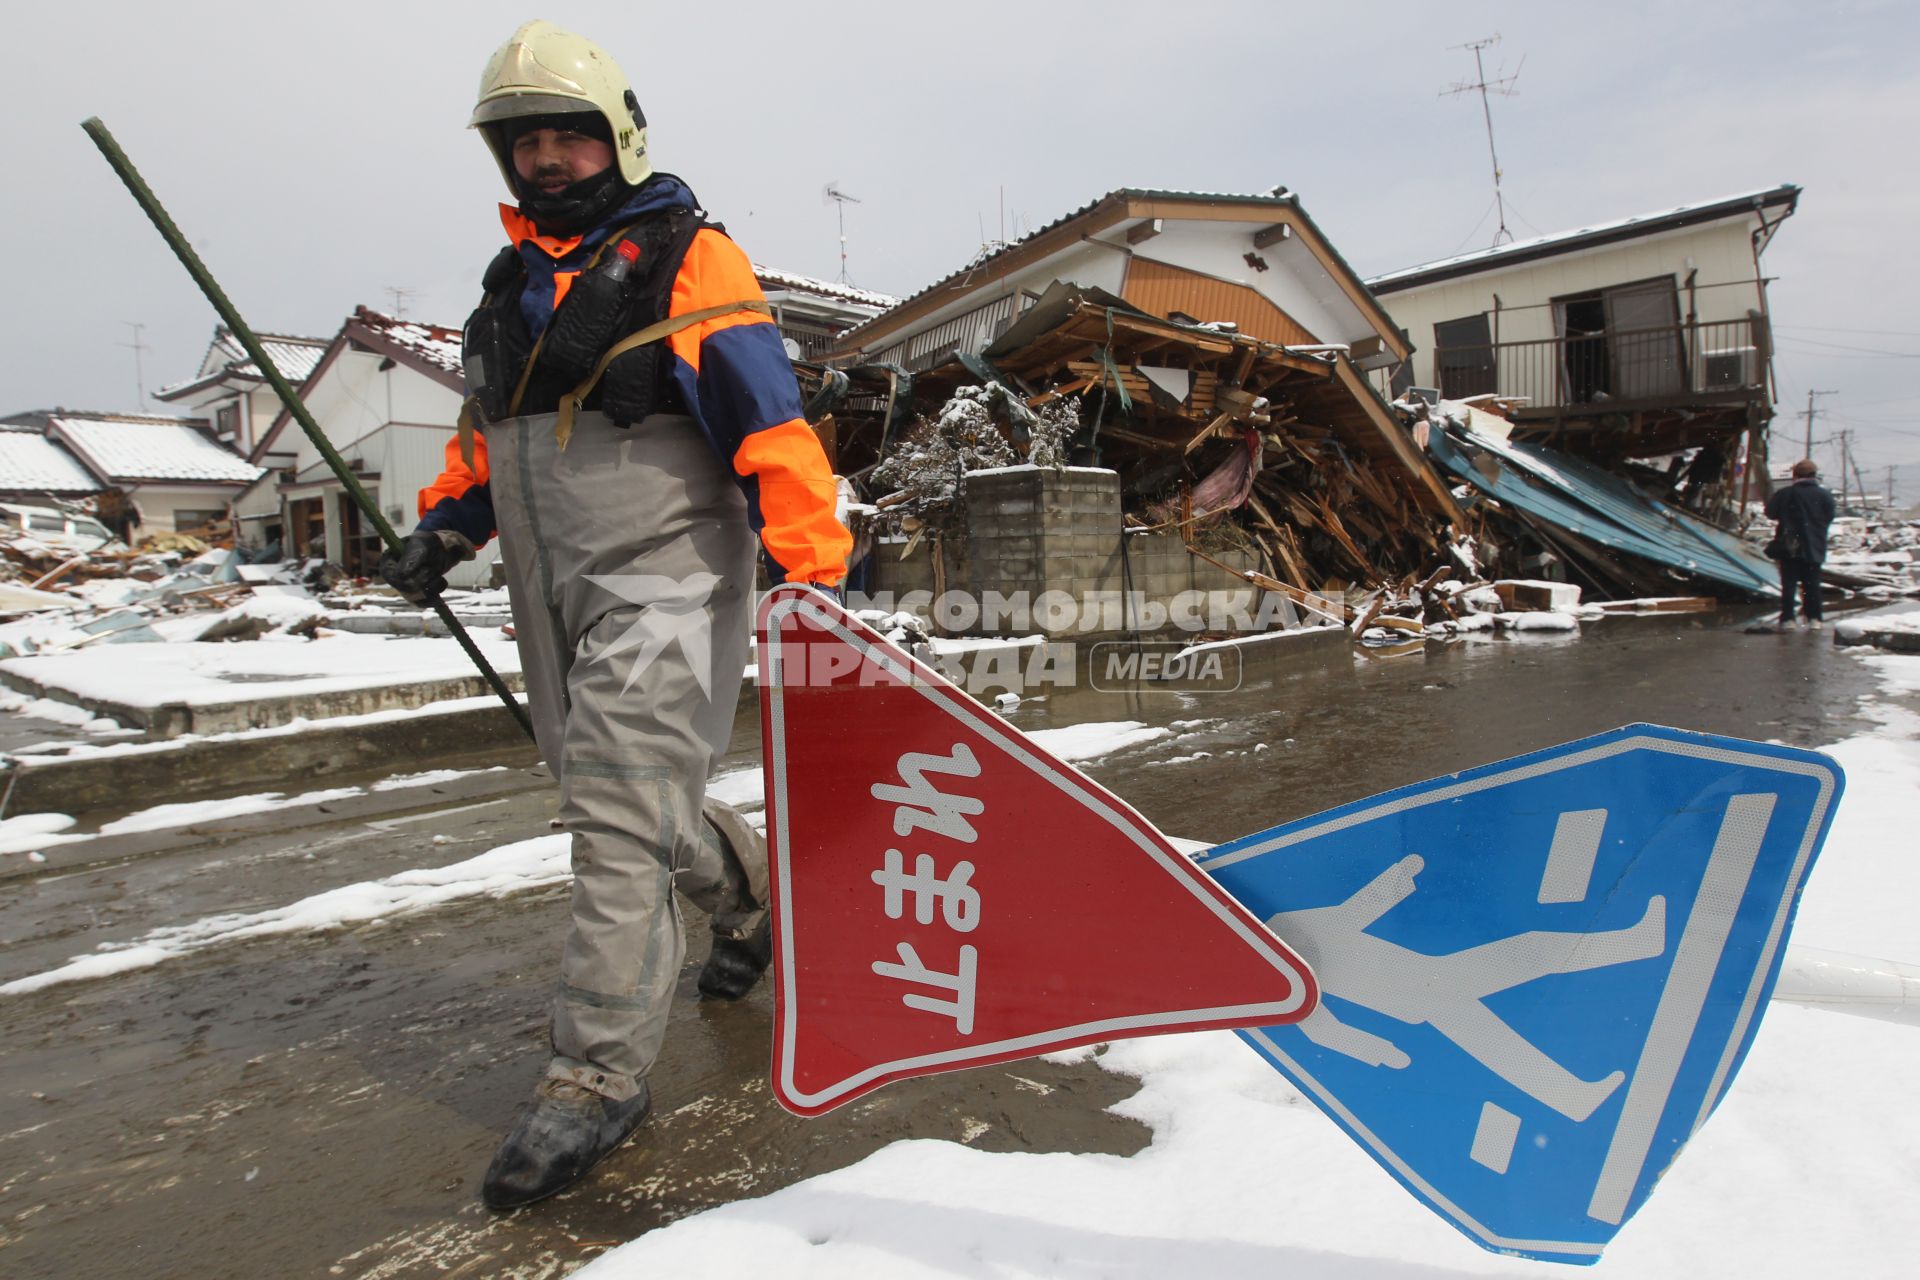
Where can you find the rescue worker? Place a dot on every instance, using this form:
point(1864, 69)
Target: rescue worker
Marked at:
point(638, 425)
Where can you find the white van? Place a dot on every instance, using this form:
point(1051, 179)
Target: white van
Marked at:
point(60, 530)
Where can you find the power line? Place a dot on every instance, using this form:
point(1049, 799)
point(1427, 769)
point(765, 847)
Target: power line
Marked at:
point(1834, 328)
point(1874, 351)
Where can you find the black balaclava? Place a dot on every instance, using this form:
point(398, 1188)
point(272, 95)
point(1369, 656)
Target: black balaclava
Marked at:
point(573, 209)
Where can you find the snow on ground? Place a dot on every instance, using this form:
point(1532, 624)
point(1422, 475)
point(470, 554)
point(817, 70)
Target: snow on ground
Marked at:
point(58, 713)
point(56, 751)
point(200, 674)
point(31, 832)
point(511, 868)
point(1079, 742)
point(745, 788)
point(1808, 1167)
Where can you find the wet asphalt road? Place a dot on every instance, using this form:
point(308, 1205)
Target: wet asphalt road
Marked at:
point(323, 1104)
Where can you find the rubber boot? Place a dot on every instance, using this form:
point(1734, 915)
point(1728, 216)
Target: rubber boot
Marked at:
point(562, 1134)
point(734, 965)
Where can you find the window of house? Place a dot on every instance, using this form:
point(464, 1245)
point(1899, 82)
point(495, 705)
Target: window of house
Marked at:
point(225, 419)
point(1621, 343)
point(1463, 356)
point(197, 517)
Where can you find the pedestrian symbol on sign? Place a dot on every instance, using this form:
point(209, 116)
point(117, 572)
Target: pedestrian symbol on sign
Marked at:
point(1531, 1000)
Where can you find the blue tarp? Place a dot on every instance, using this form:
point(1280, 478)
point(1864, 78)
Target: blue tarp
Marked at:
point(1600, 507)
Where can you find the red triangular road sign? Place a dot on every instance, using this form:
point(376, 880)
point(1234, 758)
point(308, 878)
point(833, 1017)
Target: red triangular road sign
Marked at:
point(947, 895)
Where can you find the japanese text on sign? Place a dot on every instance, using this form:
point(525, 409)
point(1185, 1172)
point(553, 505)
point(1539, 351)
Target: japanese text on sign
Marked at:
point(920, 806)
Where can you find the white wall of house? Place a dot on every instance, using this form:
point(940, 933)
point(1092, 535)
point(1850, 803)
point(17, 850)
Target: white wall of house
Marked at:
point(1721, 253)
point(395, 424)
point(1294, 280)
point(165, 508)
point(356, 397)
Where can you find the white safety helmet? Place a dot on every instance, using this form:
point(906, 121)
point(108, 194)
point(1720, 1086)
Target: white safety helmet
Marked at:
point(543, 71)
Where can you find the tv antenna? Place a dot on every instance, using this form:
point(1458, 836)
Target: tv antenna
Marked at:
point(832, 192)
point(137, 346)
point(400, 296)
point(1502, 85)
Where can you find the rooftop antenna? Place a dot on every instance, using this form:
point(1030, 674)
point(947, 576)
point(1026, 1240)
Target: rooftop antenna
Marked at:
point(1503, 86)
point(400, 297)
point(139, 376)
point(841, 200)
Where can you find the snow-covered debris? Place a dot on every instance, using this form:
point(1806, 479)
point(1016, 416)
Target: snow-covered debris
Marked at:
point(1537, 621)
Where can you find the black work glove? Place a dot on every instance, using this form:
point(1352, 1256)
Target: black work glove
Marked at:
point(630, 388)
point(418, 570)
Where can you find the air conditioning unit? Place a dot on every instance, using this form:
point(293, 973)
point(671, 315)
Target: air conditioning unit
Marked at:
point(1731, 368)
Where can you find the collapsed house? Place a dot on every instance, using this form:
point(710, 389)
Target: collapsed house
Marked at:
point(1224, 362)
point(1212, 354)
point(1643, 345)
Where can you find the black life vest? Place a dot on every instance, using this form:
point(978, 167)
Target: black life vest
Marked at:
point(596, 313)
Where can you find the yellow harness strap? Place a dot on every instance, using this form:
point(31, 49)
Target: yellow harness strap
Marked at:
point(571, 402)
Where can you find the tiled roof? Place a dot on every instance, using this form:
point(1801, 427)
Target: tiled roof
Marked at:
point(825, 288)
point(1279, 197)
point(436, 344)
point(293, 356)
point(124, 447)
point(31, 462)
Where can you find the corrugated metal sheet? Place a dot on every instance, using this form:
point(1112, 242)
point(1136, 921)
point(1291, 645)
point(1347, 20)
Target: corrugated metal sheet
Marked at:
point(1161, 289)
point(1600, 507)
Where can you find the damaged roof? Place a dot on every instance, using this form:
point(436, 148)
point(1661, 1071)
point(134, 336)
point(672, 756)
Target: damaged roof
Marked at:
point(1587, 503)
point(1118, 206)
point(128, 447)
point(1786, 196)
point(433, 347)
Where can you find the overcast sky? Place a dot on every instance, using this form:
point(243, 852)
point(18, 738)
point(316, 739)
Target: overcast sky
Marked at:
point(316, 154)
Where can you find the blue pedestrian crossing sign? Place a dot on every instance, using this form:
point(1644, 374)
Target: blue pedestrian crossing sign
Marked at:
point(1539, 977)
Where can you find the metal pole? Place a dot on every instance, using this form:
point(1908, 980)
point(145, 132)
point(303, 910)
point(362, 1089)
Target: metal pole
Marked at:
point(1841, 983)
point(164, 224)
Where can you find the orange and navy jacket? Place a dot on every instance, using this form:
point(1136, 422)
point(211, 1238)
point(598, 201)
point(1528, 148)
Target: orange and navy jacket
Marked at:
point(732, 373)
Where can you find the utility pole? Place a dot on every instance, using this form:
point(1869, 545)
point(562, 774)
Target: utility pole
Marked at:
point(1504, 87)
point(1808, 454)
point(139, 375)
point(1843, 472)
point(1889, 490)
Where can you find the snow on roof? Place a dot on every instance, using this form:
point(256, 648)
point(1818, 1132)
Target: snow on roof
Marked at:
point(825, 288)
point(130, 446)
point(436, 344)
point(293, 356)
point(31, 462)
point(1565, 241)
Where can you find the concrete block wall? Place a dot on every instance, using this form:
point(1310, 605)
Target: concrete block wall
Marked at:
point(1033, 531)
point(1037, 530)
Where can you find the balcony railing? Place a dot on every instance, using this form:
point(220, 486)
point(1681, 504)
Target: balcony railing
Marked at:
point(1669, 365)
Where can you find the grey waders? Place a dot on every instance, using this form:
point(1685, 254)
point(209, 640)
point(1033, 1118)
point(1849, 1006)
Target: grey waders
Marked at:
point(630, 568)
